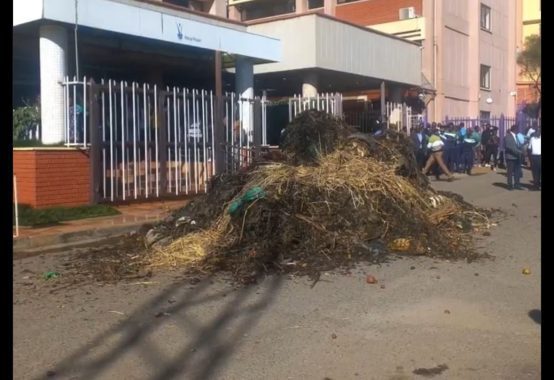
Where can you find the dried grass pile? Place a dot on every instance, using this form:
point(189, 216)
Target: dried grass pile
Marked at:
point(340, 198)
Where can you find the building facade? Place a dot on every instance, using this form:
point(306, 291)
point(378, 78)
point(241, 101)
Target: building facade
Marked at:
point(529, 23)
point(468, 47)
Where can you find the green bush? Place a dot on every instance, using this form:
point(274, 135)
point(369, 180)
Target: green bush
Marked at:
point(24, 118)
point(31, 217)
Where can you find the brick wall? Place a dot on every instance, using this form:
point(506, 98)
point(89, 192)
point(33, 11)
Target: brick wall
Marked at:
point(48, 177)
point(371, 12)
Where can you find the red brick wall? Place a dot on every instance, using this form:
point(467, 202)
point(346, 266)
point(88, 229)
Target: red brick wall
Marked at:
point(371, 12)
point(24, 169)
point(47, 177)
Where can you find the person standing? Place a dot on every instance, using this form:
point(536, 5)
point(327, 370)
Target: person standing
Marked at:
point(419, 141)
point(436, 145)
point(491, 148)
point(513, 154)
point(485, 135)
point(535, 158)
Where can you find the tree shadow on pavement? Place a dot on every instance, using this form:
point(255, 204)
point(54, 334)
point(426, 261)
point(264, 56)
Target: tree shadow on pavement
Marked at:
point(535, 315)
point(206, 343)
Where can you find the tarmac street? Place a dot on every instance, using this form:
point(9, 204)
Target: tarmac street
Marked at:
point(424, 318)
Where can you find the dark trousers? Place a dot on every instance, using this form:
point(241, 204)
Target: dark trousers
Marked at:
point(513, 168)
point(536, 169)
point(421, 158)
point(491, 151)
point(468, 156)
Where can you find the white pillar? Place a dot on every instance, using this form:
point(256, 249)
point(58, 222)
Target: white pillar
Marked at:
point(244, 87)
point(53, 69)
point(309, 85)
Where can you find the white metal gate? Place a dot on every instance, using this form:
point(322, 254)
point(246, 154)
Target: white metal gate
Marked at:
point(151, 142)
point(330, 103)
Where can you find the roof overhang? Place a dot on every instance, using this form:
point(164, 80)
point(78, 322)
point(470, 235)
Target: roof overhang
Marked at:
point(153, 22)
point(316, 41)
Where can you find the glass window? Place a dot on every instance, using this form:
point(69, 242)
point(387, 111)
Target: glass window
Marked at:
point(485, 77)
point(485, 17)
point(315, 4)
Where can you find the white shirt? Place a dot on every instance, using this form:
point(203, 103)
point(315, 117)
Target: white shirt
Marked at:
point(530, 132)
point(535, 146)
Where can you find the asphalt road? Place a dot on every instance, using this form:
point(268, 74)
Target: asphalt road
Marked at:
point(432, 319)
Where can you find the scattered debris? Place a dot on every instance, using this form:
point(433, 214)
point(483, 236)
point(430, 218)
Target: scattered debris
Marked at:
point(446, 311)
point(370, 279)
point(162, 314)
point(334, 199)
point(116, 312)
point(526, 271)
point(334, 336)
point(49, 275)
point(430, 372)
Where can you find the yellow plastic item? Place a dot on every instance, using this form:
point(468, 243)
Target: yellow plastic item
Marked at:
point(400, 245)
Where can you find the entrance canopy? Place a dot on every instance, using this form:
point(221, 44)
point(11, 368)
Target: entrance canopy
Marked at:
point(153, 22)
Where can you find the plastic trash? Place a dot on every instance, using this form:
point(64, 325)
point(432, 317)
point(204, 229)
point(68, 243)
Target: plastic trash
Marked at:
point(49, 275)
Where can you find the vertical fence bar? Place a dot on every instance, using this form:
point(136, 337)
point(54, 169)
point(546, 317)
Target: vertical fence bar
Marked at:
point(66, 108)
point(112, 174)
point(157, 155)
point(180, 140)
point(84, 112)
point(232, 147)
point(204, 135)
point(212, 135)
point(74, 113)
point(145, 125)
point(175, 138)
point(123, 140)
point(186, 124)
point(195, 127)
point(16, 206)
point(134, 140)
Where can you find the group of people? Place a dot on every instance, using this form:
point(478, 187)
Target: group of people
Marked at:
point(454, 148)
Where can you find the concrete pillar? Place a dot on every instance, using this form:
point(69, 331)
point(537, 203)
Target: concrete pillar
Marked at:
point(309, 85)
point(301, 6)
point(244, 88)
point(329, 7)
point(53, 69)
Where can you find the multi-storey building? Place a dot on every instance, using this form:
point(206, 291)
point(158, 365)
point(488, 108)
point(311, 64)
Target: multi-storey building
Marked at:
point(529, 23)
point(468, 47)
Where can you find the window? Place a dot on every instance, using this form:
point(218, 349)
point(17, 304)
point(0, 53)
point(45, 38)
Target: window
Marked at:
point(345, 1)
point(485, 77)
point(485, 117)
point(485, 18)
point(315, 4)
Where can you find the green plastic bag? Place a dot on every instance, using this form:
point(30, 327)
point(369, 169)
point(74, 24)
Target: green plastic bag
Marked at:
point(251, 195)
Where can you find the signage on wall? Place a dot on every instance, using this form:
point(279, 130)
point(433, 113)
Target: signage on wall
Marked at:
point(181, 35)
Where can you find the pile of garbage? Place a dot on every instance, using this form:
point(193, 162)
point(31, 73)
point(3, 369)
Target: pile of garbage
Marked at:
point(337, 198)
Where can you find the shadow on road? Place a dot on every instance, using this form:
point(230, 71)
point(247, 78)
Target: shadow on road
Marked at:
point(535, 315)
point(209, 342)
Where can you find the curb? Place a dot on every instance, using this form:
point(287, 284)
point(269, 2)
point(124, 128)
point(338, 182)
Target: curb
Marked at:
point(65, 240)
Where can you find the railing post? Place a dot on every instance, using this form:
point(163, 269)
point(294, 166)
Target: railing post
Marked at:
point(96, 144)
point(257, 124)
point(162, 143)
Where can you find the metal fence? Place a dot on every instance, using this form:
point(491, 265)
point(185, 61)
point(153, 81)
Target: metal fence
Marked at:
point(399, 115)
point(152, 142)
point(503, 123)
point(76, 112)
point(330, 103)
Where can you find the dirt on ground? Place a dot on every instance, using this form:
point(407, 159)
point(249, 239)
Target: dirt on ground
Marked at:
point(337, 198)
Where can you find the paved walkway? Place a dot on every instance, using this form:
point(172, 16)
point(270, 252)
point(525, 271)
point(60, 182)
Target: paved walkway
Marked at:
point(132, 217)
